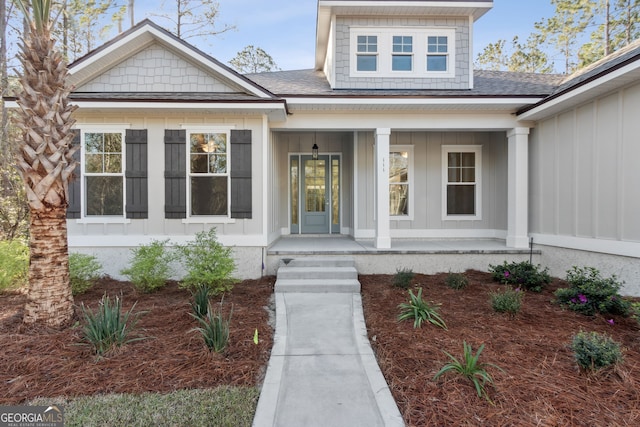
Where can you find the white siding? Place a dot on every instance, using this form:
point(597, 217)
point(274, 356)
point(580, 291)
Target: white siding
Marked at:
point(584, 165)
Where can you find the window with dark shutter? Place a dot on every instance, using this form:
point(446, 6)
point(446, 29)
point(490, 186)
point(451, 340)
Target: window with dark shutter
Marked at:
point(241, 174)
point(137, 205)
point(73, 209)
point(175, 173)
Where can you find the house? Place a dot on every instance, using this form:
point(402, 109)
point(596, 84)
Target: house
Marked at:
point(392, 138)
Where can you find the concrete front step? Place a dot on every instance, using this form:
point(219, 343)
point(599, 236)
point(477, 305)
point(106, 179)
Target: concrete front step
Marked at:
point(317, 285)
point(317, 275)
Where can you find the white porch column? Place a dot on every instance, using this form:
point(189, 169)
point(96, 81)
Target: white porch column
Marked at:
point(383, 236)
point(518, 188)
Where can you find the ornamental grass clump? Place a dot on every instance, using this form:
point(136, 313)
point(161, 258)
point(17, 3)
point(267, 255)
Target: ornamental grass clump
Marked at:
point(507, 301)
point(590, 293)
point(214, 328)
point(594, 351)
point(420, 310)
point(200, 304)
point(403, 277)
point(109, 327)
point(521, 274)
point(456, 281)
point(470, 368)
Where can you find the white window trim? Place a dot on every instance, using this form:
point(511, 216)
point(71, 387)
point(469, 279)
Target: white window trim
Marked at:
point(102, 128)
point(410, 182)
point(208, 219)
point(419, 54)
point(477, 149)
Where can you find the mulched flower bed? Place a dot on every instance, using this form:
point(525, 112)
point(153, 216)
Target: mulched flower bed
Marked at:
point(541, 385)
point(49, 363)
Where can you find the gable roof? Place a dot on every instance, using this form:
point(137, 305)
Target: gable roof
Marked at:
point(143, 35)
point(612, 72)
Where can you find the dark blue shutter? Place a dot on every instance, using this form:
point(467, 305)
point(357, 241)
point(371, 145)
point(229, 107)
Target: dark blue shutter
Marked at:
point(240, 174)
point(73, 209)
point(137, 205)
point(175, 173)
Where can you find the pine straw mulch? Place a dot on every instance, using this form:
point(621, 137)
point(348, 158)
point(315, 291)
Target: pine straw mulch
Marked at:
point(541, 385)
point(50, 363)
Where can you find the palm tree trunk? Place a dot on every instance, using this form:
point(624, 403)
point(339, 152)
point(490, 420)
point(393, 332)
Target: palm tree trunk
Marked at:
point(49, 297)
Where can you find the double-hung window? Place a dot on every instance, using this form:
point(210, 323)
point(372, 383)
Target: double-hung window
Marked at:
point(402, 53)
point(208, 173)
point(400, 181)
point(367, 56)
point(461, 176)
point(437, 54)
point(104, 184)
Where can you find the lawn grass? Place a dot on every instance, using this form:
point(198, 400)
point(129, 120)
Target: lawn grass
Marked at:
point(221, 406)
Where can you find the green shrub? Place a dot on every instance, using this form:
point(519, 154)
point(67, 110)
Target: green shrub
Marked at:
point(151, 266)
point(108, 327)
point(14, 264)
point(403, 277)
point(200, 303)
point(521, 274)
point(589, 293)
point(635, 310)
point(84, 270)
point(456, 281)
point(594, 351)
point(420, 310)
point(208, 263)
point(508, 301)
point(470, 368)
point(214, 328)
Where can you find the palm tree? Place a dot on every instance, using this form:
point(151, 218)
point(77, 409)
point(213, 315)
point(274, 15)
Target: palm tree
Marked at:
point(44, 160)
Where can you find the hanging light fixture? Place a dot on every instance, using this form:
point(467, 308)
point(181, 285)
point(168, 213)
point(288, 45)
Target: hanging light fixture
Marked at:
point(314, 152)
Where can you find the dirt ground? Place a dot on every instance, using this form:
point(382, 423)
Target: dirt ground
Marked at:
point(541, 384)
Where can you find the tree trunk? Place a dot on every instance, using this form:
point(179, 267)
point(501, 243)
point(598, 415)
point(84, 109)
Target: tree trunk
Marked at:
point(49, 299)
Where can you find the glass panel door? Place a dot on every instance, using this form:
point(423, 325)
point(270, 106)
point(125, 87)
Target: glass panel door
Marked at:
point(315, 195)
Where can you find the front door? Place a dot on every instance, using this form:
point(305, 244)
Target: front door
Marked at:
point(315, 194)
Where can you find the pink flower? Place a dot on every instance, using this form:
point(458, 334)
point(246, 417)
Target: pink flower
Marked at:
point(506, 273)
point(610, 321)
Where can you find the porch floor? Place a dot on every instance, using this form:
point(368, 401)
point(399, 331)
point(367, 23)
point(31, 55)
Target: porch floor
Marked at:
point(346, 245)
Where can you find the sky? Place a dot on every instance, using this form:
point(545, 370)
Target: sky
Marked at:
point(286, 29)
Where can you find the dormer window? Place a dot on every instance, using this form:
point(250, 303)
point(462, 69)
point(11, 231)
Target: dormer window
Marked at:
point(402, 57)
point(437, 53)
point(367, 57)
point(406, 52)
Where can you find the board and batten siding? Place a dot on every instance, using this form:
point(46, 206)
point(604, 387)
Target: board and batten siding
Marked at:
point(584, 170)
point(427, 181)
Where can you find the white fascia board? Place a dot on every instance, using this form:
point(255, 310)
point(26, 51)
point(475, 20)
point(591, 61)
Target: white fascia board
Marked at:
point(335, 100)
point(406, 3)
point(566, 100)
point(163, 105)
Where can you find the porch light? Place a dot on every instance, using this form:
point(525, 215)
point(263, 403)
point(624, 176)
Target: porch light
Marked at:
point(314, 152)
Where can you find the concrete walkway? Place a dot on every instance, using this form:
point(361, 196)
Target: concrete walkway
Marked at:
point(322, 370)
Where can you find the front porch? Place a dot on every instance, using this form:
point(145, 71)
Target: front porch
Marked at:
point(427, 256)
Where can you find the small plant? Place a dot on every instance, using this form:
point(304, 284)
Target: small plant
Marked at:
point(470, 368)
point(214, 329)
point(589, 293)
point(456, 281)
point(200, 303)
point(84, 270)
point(403, 278)
point(108, 327)
point(508, 301)
point(635, 310)
point(14, 264)
point(594, 351)
point(207, 262)
point(150, 268)
point(420, 310)
point(521, 274)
